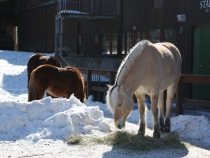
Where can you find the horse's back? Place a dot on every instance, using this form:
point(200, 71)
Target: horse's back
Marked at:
point(44, 72)
point(53, 60)
point(34, 60)
point(59, 81)
point(57, 75)
point(170, 64)
point(37, 59)
point(160, 64)
point(172, 49)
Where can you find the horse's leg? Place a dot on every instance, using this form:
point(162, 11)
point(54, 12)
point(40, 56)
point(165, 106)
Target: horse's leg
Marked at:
point(161, 109)
point(41, 91)
point(67, 95)
point(50, 95)
point(40, 94)
point(154, 108)
point(80, 96)
point(169, 101)
point(141, 107)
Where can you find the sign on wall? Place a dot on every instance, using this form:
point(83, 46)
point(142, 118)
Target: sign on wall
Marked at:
point(205, 4)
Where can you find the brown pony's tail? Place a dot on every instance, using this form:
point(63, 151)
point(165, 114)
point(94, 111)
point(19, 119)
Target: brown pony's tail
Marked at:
point(32, 90)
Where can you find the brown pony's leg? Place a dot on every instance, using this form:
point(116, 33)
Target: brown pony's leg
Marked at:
point(80, 96)
point(41, 88)
point(50, 95)
point(40, 94)
point(67, 96)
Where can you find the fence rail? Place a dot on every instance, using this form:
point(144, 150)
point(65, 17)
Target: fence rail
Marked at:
point(180, 100)
point(93, 80)
point(94, 84)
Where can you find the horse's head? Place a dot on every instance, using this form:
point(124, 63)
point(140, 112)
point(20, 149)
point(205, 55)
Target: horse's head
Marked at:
point(120, 104)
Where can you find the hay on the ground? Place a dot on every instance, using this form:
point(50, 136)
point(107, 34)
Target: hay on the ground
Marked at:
point(129, 141)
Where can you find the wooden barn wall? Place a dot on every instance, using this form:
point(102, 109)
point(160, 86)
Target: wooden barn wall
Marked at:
point(180, 7)
point(36, 29)
point(7, 6)
point(194, 17)
point(51, 11)
point(130, 15)
point(70, 34)
point(37, 26)
point(144, 16)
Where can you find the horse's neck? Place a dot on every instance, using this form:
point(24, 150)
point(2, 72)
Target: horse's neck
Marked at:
point(135, 77)
point(133, 81)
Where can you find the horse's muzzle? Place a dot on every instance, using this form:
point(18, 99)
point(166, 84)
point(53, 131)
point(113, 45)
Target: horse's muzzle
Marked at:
point(120, 124)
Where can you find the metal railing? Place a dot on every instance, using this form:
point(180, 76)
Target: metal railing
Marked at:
point(89, 6)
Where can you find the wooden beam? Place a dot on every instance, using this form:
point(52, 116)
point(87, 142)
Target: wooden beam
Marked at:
point(205, 79)
point(201, 103)
point(88, 72)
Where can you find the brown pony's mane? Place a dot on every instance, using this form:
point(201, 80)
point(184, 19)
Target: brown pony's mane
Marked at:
point(81, 77)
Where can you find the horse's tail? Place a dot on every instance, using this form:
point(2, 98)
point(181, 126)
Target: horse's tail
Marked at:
point(33, 63)
point(32, 90)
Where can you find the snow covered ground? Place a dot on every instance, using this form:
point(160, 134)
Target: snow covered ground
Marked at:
point(40, 128)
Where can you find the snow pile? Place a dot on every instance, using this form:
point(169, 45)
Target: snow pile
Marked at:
point(50, 118)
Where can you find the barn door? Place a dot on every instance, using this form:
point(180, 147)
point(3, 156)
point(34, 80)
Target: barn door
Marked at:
point(201, 61)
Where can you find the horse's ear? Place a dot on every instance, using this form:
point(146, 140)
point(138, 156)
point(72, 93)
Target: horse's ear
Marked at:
point(108, 86)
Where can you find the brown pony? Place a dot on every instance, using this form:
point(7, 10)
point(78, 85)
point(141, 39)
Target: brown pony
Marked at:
point(39, 59)
point(57, 82)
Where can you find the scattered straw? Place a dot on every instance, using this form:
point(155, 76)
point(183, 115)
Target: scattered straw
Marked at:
point(129, 141)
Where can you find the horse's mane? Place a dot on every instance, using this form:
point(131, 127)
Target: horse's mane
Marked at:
point(78, 73)
point(81, 78)
point(129, 60)
point(123, 71)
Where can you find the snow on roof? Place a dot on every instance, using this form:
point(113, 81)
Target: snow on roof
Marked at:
point(72, 12)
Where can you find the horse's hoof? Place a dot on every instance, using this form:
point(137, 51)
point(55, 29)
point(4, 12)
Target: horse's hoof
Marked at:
point(161, 129)
point(166, 129)
point(156, 135)
point(141, 132)
point(167, 126)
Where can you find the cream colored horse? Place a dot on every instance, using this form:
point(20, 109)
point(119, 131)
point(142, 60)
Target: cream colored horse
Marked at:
point(147, 69)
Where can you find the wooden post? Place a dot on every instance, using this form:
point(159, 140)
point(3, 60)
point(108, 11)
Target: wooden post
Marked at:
point(88, 83)
point(179, 98)
point(111, 78)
